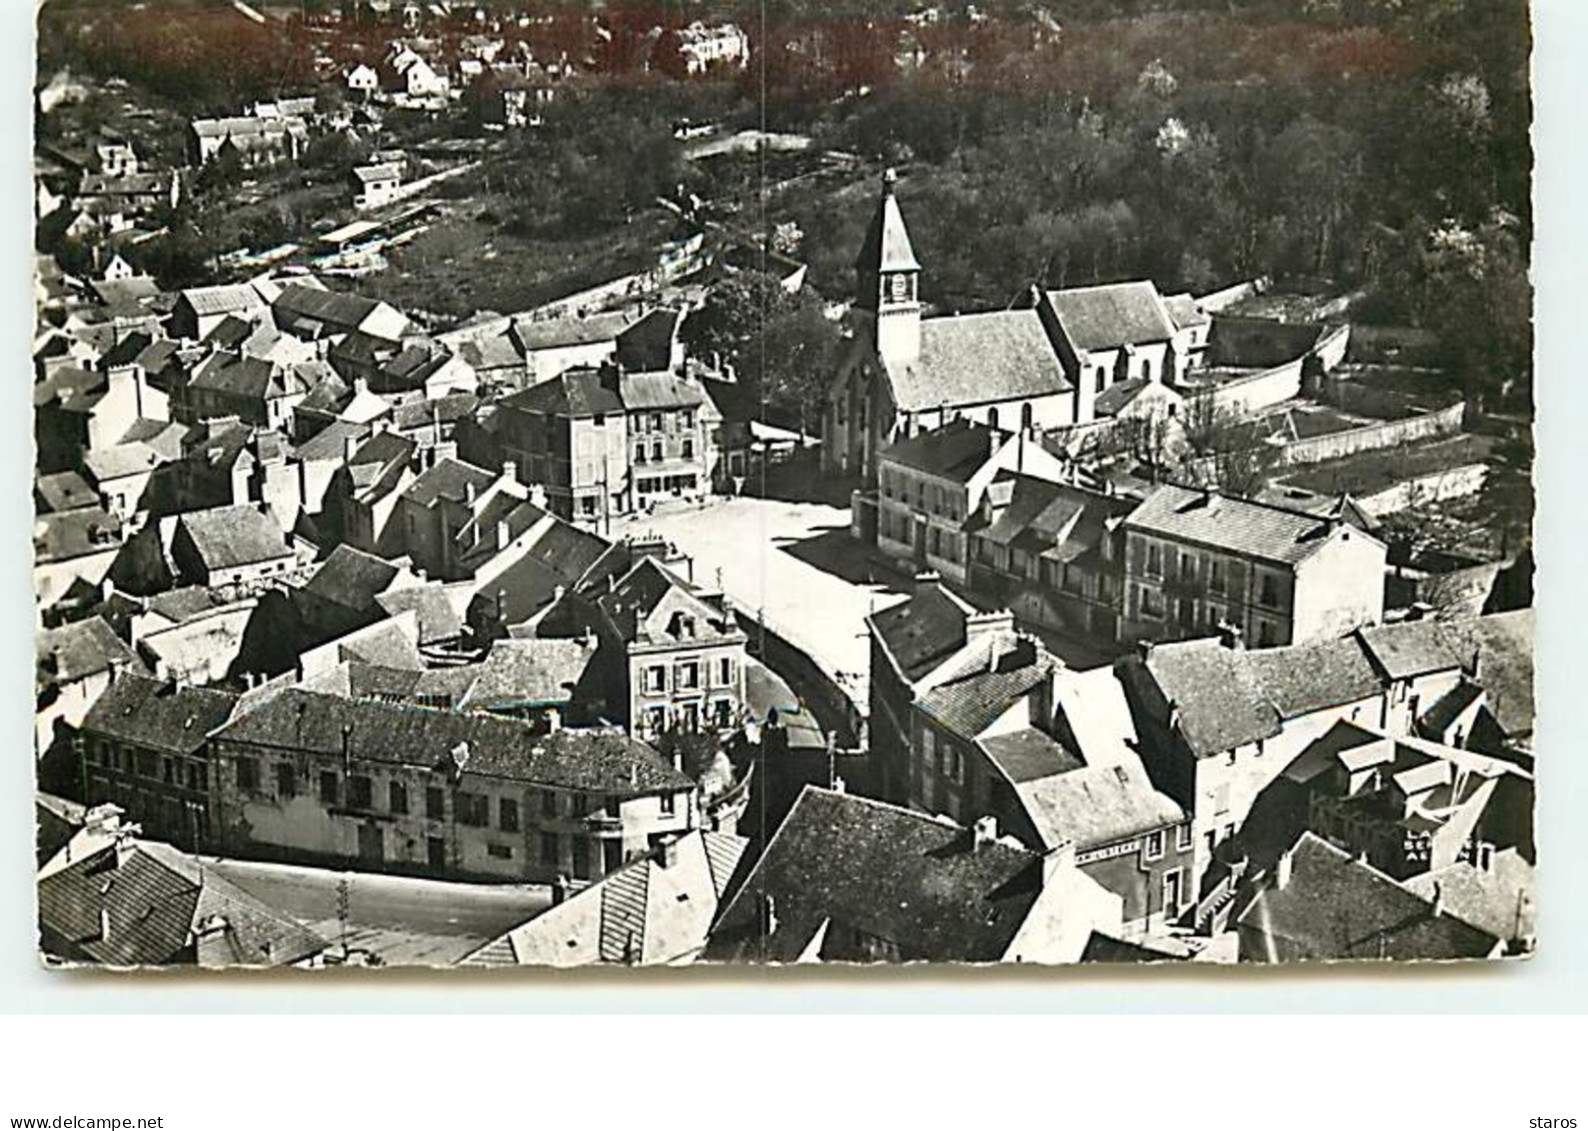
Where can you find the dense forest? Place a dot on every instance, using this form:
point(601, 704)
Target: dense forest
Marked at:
point(1378, 146)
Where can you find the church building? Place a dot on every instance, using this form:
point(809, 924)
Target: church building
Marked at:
point(1037, 366)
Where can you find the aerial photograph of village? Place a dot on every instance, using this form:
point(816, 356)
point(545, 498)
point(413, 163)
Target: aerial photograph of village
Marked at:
point(660, 482)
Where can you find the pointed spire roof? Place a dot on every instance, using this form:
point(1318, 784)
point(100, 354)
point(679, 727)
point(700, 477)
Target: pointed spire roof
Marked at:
point(887, 246)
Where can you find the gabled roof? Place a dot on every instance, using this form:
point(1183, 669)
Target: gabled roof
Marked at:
point(77, 533)
point(1112, 315)
point(342, 312)
point(228, 537)
point(583, 391)
point(351, 578)
point(913, 881)
point(972, 701)
point(434, 608)
point(975, 359)
point(1336, 907)
point(1256, 530)
point(153, 712)
point(63, 491)
point(651, 602)
point(80, 649)
point(497, 747)
point(1413, 648)
point(924, 631)
point(225, 299)
point(369, 174)
point(1185, 311)
point(447, 479)
point(560, 333)
point(163, 907)
point(530, 673)
point(1096, 806)
point(955, 452)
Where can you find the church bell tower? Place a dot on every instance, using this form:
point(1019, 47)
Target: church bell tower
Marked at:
point(888, 281)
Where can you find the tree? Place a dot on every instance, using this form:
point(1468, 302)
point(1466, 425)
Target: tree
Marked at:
point(1232, 448)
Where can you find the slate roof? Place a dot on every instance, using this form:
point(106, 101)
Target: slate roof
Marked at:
point(228, 537)
point(1185, 312)
point(1096, 805)
point(1216, 694)
point(447, 479)
point(64, 535)
point(330, 442)
point(121, 460)
point(530, 673)
point(183, 603)
point(63, 491)
point(344, 312)
point(489, 354)
point(642, 391)
point(1301, 678)
point(1029, 754)
point(351, 578)
point(224, 299)
point(1114, 398)
point(1335, 907)
point(559, 558)
point(633, 603)
point(887, 243)
point(559, 333)
point(955, 452)
point(80, 649)
point(247, 376)
point(158, 714)
point(973, 359)
point(499, 747)
point(368, 174)
point(646, 346)
point(415, 416)
point(1256, 530)
point(888, 872)
point(433, 608)
point(922, 632)
point(583, 391)
point(1413, 648)
point(971, 703)
point(165, 907)
point(1504, 642)
point(1112, 315)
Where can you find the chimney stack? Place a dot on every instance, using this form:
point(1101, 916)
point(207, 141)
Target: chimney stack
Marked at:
point(1438, 908)
point(983, 832)
point(926, 581)
point(1282, 870)
point(510, 470)
point(1230, 636)
point(668, 856)
point(553, 720)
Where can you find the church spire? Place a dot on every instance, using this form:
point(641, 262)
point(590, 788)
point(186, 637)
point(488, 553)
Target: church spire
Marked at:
point(887, 276)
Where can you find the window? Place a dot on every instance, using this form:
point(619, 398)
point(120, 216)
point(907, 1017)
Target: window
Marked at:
point(1151, 602)
point(1270, 591)
point(548, 804)
point(656, 423)
point(689, 674)
point(473, 809)
point(286, 781)
point(639, 453)
point(600, 420)
point(899, 287)
point(360, 792)
point(1155, 845)
point(689, 448)
point(1154, 559)
point(1188, 567)
point(724, 671)
point(435, 804)
point(956, 764)
point(691, 717)
point(1216, 575)
point(147, 766)
point(656, 678)
point(507, 815)
point(669, 804)
point(247, 774)
point(168, 771)
point(499, 851)
point(686, 419)
point(1102, 379)
point(656, 451)
point(1071, 579)
point(198, 777)
point(549, 849)
point(397, 798)
point(328, 791)
point(1182, 838)
point(723, 710)
point(1265, 634)
point(587, 505)
point(581, 858)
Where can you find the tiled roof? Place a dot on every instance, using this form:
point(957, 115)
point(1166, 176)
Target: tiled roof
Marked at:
point(1113, 315)
point(1114, 398)
point(863, 866)
point(1301, 678)
point(152, 712)
point(1096, 805)
point(530, 673)
point(1504, 643)
point(370, 173)
point(64, 535)
point(1256, 530)
point(647, 345)
point(227, 537)
point(331, 308)
point(650, 600)
point(974, 359)
point(121, 460)
point(80, 649)
point(640, 391)
point(183, 603)
point(498, 747)
point(1335, 907)
point(973, 702)
point(560, 557)
point(1214, 693)
point(330, 442)
point(163, 907)
point(922, 632)
point(226, 299)
point(492, 353)
point(1185, 312)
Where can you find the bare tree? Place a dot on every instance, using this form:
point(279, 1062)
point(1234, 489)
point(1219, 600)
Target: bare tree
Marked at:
point(1229, 447)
